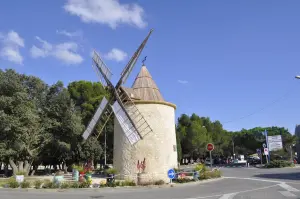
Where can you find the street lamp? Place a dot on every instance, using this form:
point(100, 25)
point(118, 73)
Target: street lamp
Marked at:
point(297, 77)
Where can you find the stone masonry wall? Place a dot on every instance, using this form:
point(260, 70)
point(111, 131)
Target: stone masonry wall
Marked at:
point(158, 147)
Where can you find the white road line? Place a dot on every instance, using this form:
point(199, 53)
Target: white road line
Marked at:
point(228, 196)
point(288, 187)
point(288, 194)
point(257, 179)
point(245, 191)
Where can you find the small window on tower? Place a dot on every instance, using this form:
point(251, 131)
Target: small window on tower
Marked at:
point(174, 148)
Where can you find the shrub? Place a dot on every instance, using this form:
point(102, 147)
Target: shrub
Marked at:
point(12, 183)
point(19, 173)
point(129, 183)
point(84, 184)
point(25, 184)
point(201, 168)
point(37, 184)
point(50, 185)
point(279, 164)
point(111, 171)
point(74, 185)
point(65, 185)
point(216, 173)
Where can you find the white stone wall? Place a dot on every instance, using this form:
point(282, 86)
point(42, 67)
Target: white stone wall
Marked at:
point(157, 146)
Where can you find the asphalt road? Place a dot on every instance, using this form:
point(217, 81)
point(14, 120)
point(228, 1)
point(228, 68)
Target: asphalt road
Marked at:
point(238, 183)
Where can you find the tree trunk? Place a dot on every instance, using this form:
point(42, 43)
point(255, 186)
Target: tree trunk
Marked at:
point(13, 166)
point(0, 166)
point(6, 169)
point(35, 167)
point(65, 167)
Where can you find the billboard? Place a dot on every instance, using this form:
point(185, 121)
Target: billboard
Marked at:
point(275, 142)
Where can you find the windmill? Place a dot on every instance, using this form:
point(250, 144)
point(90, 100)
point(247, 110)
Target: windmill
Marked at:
point(120, 103)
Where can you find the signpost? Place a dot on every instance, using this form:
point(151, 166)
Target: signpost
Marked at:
point(210, 147)
point(171, 174)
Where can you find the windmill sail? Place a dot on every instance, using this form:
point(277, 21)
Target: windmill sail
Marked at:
point(105, 73)
point(127, 70)
point(95, 118)
point(125, 123)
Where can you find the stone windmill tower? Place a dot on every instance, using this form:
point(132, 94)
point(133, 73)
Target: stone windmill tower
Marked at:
point(157, 148)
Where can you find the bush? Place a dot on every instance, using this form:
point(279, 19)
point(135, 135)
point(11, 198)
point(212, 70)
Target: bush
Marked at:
point(25, 184)
point(128, 183)
point(216, 173)
point(279, 164)
point(50, 185)
point(201, 168)
point(65, 185)
point(19, 173)
point(74, 185)
point(38, 184)
point(12, 183)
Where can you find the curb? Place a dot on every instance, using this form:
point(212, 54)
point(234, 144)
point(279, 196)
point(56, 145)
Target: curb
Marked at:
point(111, 188)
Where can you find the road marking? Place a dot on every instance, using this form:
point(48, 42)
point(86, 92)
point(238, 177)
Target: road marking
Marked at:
point(257, 179)
point(228, 196)
point(288, 194)
point(245, 191)
point(288, 187)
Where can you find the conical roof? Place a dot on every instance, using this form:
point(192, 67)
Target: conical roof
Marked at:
point(145, 87)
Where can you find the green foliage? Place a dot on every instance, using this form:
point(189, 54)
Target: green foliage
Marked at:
point(200, 167)
point(25, 184)
point(12, 183)
point(37, 184)
point(279, 164)
point(194, 132)
point(65, 185)
point(111, 171)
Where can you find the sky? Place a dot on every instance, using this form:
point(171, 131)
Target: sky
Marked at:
point(233, 61)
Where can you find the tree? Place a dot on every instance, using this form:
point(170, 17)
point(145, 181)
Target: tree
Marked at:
point(87, 97)
point(65, 125)
point(21, 128)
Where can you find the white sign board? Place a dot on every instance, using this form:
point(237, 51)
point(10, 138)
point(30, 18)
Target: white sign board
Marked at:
point(275, 142)
point(19, 178)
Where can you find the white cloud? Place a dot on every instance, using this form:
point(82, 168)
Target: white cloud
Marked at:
point(69, 34)
point(182, 81)
point(116, 54)
point(10, 47)
point(110, 12)
point(65, 52)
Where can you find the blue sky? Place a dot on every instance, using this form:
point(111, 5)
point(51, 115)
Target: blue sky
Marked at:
point(222, 59)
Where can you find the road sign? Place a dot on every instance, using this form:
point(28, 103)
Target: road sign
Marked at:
point(210, 147)
point(171, 174)
point(258, 151)
point(266, 151)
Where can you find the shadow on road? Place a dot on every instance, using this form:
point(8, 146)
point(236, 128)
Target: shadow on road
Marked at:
point(283, 176)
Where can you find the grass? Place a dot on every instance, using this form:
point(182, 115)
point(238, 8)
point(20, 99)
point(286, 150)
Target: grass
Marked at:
point(4, 181)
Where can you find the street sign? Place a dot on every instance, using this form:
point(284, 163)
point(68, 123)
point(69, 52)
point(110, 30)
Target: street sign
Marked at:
point(264, 145)
point(258, 151)
point(266, 151)
point(171, 174)
point(210, 147)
